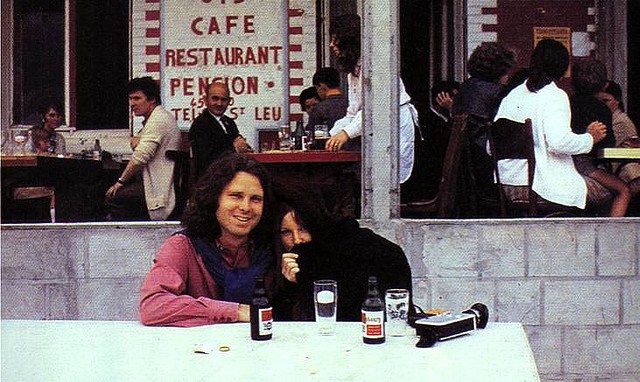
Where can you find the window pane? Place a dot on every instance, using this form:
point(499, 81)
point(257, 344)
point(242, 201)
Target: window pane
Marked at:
point(38, 57)
point(102, 64)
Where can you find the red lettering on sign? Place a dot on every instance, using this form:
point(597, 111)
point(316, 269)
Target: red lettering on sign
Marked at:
point(199, 26)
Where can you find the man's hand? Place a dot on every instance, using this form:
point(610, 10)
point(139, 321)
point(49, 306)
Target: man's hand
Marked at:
point(290, 266)
point(336, 142)
point(111, 192)
point(243, 313)
point(241, 145)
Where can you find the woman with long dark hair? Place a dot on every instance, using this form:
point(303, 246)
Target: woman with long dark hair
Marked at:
point(312, 244)
point(541, 100)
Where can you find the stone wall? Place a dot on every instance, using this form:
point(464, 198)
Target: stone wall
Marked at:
point(574, 283)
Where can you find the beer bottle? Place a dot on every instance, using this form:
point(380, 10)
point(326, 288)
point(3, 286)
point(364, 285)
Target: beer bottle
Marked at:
point(260, 312)
point(298, 134)
point(97, 150)
point(373, 315)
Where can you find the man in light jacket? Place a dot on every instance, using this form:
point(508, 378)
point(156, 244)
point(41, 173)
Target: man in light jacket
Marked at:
point(145, 191)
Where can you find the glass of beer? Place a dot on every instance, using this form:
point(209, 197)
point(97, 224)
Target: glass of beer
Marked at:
point(325, 298)
point(320, 136)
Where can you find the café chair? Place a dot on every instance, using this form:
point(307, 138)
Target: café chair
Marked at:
point(443, 204)
point(182, 179)
point(37, 192)
point(514, 140)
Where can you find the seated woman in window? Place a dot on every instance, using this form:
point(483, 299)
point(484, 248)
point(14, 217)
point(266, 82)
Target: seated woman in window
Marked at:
point(541, 100)
point(314, 245)
point(589, 77)
point(625, 133)
point(51, 118)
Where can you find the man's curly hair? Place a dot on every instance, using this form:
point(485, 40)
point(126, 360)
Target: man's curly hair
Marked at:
point(199, 217)
point(490, 61)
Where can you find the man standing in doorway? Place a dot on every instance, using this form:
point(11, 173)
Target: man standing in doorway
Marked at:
point(145, 189)
point(213, 133)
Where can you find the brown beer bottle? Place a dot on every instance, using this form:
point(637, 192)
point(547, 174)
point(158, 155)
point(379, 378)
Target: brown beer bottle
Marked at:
point(373, 315)
point(260, 312)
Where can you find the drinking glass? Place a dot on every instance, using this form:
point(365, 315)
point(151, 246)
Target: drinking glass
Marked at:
point(397, 306)
point(320, 136)
point(325, 297)
point(19, 137)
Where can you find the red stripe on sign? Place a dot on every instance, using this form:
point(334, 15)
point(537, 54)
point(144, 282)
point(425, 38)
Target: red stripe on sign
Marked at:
point(296, 82)
point(151, 50)
point(295, 48)
point(152, 32)
point(152, 67)
point(295, 117)
point(152, 1)
point(295, 65)
point(295, 30)
point(152, 15)
point(294, 99)
point(295, 12)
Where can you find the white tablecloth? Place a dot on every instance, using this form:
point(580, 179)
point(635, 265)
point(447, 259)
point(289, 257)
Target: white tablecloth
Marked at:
point(127, 351)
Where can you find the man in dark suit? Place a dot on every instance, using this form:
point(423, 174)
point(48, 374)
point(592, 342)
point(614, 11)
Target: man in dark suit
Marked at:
point(213, 133)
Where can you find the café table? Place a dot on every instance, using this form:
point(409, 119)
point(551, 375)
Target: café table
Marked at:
point(310, 156)
point(79, 184)
point(619, 153)
point(129, 351)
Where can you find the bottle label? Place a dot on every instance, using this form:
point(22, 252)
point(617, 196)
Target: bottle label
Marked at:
point(265, 324)
point(373, 324)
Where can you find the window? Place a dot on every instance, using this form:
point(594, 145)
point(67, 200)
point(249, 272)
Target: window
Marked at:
point(97, 68)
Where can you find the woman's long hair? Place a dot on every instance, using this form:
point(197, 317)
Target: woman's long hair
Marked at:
point(549, 62)
point(346, 30)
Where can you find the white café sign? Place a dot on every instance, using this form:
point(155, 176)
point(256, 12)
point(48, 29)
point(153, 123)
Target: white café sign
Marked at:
point(239, 42)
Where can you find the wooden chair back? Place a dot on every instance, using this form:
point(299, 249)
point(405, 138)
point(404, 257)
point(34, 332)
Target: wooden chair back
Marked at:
point(443, 204)
point(513, 140)
point(181, 179)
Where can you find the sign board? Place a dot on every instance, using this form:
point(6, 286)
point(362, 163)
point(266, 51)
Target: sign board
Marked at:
point(560, 34)
point(239, 42)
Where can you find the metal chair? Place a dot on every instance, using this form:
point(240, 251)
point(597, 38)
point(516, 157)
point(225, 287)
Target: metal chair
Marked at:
point(443, 204)
point(38, 192)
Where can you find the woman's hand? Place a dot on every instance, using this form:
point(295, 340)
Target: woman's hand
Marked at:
point(336, 142)
point(598, 131)
point(290, 266)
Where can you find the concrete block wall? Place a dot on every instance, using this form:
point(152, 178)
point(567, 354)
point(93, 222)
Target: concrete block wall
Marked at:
point(573, 283)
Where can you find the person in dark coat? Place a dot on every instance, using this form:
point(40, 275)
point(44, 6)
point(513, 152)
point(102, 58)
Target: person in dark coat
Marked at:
point(314, 245)
point(479, 97)
point(213, 133)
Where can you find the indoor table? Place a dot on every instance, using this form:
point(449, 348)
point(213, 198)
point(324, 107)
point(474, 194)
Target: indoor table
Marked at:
point(129, 351)
point(80, 185)
point(619, 153)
